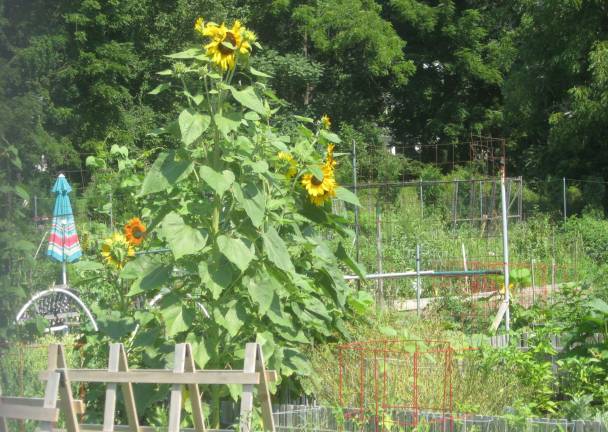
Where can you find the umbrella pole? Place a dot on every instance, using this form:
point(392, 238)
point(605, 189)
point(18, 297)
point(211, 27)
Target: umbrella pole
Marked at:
point(64, 273)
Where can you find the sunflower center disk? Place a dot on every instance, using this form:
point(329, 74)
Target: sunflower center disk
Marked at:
point(230, 39)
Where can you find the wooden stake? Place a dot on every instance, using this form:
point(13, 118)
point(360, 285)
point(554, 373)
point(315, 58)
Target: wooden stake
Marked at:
point(247, 396)
point(195, 395)
point(175, 403)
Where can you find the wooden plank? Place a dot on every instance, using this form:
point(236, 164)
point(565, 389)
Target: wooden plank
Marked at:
point(51, 392)
point(24, 412)
point(65, 393)
point(127, 392)
point(247, 396)
point(175, 403)
point(195, 395)
point(264, 391)
point(144, 376)
point(109, 410)
point(79, 407)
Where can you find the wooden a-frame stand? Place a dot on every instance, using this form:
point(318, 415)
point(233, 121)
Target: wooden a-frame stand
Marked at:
point(184, 373)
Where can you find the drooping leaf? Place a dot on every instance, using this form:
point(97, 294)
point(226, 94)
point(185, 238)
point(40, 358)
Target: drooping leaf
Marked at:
point(165, 172)
point(236, 251)
point(253, 201)
point(276, 250)
point(219, 182)
point(159, 88)
point(330, 136)
point(347, 196)
point(190, 53)
point(249, 99)
point(352, 264)
point(182, 238)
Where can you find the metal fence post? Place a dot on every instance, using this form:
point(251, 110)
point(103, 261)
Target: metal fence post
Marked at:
point(418, 280)
point(379, 251)
point(565, 201)
point(356, 207)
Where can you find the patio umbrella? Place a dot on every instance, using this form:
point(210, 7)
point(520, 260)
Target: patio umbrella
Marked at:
point(63, 242)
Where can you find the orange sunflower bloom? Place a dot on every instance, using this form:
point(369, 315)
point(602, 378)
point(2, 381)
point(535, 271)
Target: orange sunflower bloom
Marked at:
point(135, 231)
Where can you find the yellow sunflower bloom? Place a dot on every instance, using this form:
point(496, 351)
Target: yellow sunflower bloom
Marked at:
point(135, 231)
point(325, 121)
point(226, 42)
point(317, 188)
point(116, 250)
point(319, 200)
point(292, 169)
point(199, 25)
point(331, 162)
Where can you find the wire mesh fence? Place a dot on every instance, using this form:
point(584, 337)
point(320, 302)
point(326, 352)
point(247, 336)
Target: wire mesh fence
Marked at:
point(324, 419)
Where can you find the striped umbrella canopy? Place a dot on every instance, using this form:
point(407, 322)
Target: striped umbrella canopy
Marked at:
point(63, 242)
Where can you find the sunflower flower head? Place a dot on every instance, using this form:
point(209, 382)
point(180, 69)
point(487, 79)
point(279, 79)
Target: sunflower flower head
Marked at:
point(226, 42)
point(135, 231)
point(116, 250)
point(292, 165)
point(325, 121)
point(320, 190)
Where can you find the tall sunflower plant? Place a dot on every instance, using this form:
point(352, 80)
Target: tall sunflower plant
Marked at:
point(240, 214)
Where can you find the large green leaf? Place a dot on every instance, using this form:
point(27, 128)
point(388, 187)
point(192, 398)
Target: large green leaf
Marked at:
point(347, 196)
point(165, 172)
point(182, 238)
point(262, 291)
point(351, 263)
point(295, 361)
point(235, 318)
point(215, 276)
point(253, 201)
point(249, 99)
point(219, 182)
point(236, 251)
point(176, 318)
point(199, 350)
point(153, 277)
point(192, 125)
point(227, 123)
point(277, 252)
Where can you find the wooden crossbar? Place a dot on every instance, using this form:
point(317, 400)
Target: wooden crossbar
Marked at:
point(28, 412)
point(164, 376)
point(35, 402)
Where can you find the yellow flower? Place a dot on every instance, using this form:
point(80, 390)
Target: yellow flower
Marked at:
point(331, 162)
point(292, 170)
point(225, 43)
point(135, 231)
point(325, 121)
point(320, 199)
point(320, 190)
point(199, 25)
point(116, 250)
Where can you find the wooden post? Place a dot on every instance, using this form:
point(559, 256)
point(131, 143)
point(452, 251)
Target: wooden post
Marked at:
point(127, 392)
point(175, 403)
point(50, 399)
point(247, 396)
point(195, 394)
point(58, 360)
point(263, 391)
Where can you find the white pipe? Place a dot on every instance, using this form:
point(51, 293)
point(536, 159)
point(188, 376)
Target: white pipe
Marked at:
point(505, 251)
point(50, 291)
